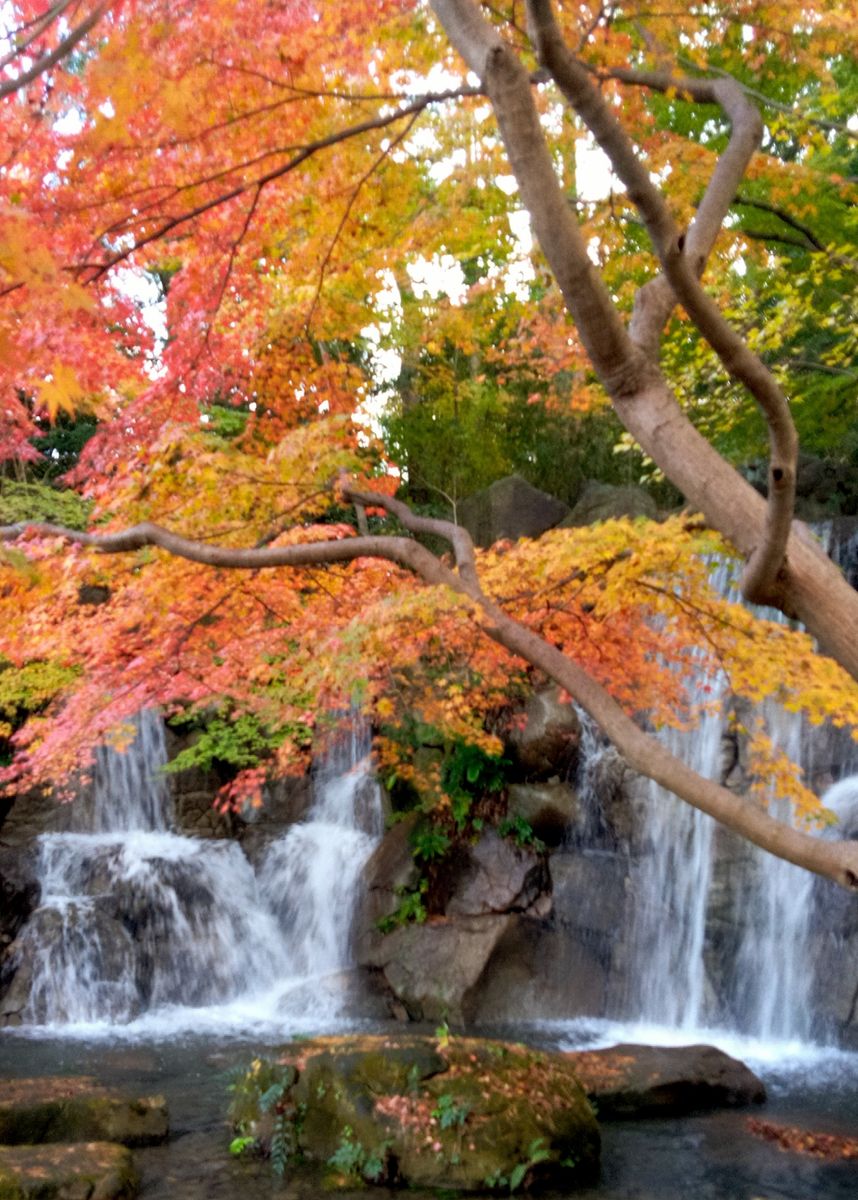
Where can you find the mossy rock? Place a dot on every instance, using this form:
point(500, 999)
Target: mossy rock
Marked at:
point(78, 1109)
point(81, 1171)
point(460, 1113)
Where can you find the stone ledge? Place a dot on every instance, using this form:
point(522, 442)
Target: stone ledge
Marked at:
point(77, 1109)
point(630, 1081)
point(82, 1171)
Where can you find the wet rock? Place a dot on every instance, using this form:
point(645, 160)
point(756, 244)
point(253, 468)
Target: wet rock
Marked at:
point(511, 508)
point(551, 809)
point(87, 1171)
point(32, 813)
point(422, 1112)
point(389, 874)
point(500, 877)
point(537, 967)
point(284, 803)
point(646, 1081)
point(545, 743)
point(77, 1109)
point(844, 544)
point(623, 800)
point(37, 963)
point(434, 969)
point(607, 501)
point(590, 892)
point(196, 816)
point(359, 992)
point(19, 893)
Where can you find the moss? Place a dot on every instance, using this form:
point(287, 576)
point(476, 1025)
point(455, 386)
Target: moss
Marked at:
point(97, 1170)
point(461, 1113)
point(77, 1110)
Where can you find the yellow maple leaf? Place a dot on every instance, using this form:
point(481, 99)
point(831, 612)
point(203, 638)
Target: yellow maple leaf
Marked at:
point(61, 391)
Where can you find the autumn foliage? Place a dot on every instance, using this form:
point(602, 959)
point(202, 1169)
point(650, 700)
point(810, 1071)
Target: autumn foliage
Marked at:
point(831, 1146)
point(275, 181)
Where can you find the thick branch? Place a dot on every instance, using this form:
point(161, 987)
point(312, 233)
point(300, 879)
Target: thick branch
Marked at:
point(682, 259)
point(656, 301)
point(839, 127)
point(833, 860)
point(399, 550)
point(811, 587)
point(621, 367)
point(457, 536)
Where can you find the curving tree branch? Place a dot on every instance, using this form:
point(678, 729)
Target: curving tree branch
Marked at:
point(837, 861)
point(683, 256)
point(807, 585)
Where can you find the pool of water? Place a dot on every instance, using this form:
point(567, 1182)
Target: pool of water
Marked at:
point(707, 1157)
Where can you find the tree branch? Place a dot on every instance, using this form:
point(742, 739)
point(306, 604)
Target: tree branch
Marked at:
point(683, 257)
point(811, 587)
point(839, 127)
point(837, 861)
point(455, 535)
point(34, 29)
point(781, 214)
point(50, 59)
point(169, 224)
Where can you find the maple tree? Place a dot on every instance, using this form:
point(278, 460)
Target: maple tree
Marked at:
point(278, 171)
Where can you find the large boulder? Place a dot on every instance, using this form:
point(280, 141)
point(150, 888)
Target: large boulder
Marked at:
point(646, 1081)
point(434, 969)
point(389, 874)
point(591, 893)
point(86, 1171)
point(500, 877)
point(607, 501)
point(421, 1112)
point(511, 508)
point(544, 741)
point(56, 936)
point(77, 1109)
point(537, 967)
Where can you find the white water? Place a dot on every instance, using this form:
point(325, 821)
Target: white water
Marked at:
point(770, 994)
point(145, 929)
point(669, 918)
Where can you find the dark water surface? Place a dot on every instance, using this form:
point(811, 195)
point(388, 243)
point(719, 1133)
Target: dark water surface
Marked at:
point(709, 1157)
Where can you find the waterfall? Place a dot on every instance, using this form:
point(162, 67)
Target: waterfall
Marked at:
point(773, 906)
point(719, 928)
point(309, 877)
point(137, 920)
point(671, 889)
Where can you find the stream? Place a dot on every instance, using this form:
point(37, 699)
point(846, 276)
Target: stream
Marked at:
point(708, 1157)
point(229, 959)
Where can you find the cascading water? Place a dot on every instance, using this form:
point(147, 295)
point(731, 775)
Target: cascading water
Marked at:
point(309, 877)
point(773, 907)
point(671, 888)
point(137, 921)
point(766, 983)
